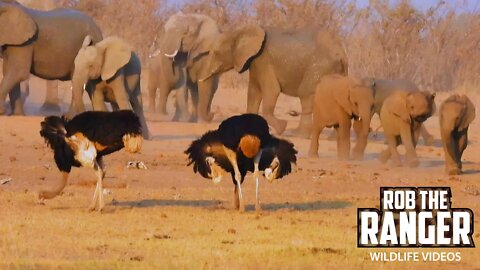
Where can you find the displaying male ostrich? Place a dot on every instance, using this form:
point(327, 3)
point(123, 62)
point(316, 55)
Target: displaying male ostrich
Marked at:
point(84, 140)
point(241, 144)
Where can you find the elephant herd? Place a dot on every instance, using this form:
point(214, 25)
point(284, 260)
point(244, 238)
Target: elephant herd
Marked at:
point(191, 53)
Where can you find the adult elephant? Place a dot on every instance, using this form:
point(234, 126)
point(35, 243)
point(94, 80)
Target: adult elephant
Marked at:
point(51, 97)
point(110, 72)
point(180, 63)
point(279, 61)
point(43, 43)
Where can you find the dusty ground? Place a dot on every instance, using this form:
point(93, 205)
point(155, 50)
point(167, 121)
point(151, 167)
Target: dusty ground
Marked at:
point(168, 217)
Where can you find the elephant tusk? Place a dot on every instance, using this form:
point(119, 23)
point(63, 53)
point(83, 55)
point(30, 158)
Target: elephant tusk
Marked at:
point(85, 86)
point(172, 55)
point(206, 78)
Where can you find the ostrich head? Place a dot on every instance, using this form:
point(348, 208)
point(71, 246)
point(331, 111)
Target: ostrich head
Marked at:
point(208, 157)
point(84, 149)
point(277, 159)
point(214, 171)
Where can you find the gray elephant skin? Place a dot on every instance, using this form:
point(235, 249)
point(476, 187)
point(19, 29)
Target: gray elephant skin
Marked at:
point(110, 72)
point(279, 61)
point(51, 98)
point(43, 43)
point(180, 63)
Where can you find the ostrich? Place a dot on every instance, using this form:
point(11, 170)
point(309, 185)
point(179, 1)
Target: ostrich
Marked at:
point(241, 144)
point(85, 139)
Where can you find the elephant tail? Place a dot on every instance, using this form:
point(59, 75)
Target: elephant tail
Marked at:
point(53, 131)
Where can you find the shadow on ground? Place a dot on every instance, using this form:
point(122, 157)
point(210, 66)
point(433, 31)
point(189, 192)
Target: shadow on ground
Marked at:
point(306, 206)
point(155, 203)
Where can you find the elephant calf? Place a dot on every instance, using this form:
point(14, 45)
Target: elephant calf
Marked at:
point(339, 99)
point(110, 72)
point(456, 114)
point(402, 116)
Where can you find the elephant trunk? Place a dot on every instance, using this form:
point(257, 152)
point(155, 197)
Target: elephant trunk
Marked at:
point(362, 128)
point(205, 96)
point(79, 82)
point(50, 194)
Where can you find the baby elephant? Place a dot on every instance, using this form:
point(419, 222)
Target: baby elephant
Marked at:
point(110, 72)
point(402, 115)
point(338, 100)
point(456, 114)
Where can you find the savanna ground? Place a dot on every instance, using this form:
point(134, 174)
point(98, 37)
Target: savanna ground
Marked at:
point(168, 217)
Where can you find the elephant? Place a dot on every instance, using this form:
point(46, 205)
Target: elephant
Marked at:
point(51, 98)
point(402, 115)
point(384, 88)
point(456, 114)
point(180, 62)
point(291, 62)
point(110, 72)
point(43, 43)
point(339, 99)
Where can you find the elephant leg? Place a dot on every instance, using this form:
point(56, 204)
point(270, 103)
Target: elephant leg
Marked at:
point(152, 93)
point(98, 98)
point(206, 91)
point(362, 129)
point(391, 151)
point(194, 95)
point(214, 88)
point(137, 105)
point(16, 68)
point(51, 102)
point(304, 127)
point(462, 145)
point(316, 131)
point(181, 105)
point(427, 137)
point(254, 97)
point(121, 93)
point(269, 102)
point(343, 139)
point(408, 140)
point(450, 148)
point(271, 91)
point(16, 103)
point(164, 90)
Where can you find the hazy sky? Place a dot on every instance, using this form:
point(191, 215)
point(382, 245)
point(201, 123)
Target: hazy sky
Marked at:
point(424, 4)
point(421, 4)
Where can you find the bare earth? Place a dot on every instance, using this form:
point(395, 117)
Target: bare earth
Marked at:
point(168, 217)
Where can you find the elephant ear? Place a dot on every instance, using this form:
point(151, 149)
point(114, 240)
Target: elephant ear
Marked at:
point(469, 112)
point(16, 26)
point(397, 104)
point(342, 97)
point(248, 43)
point(117, 53)
point(201, 48)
